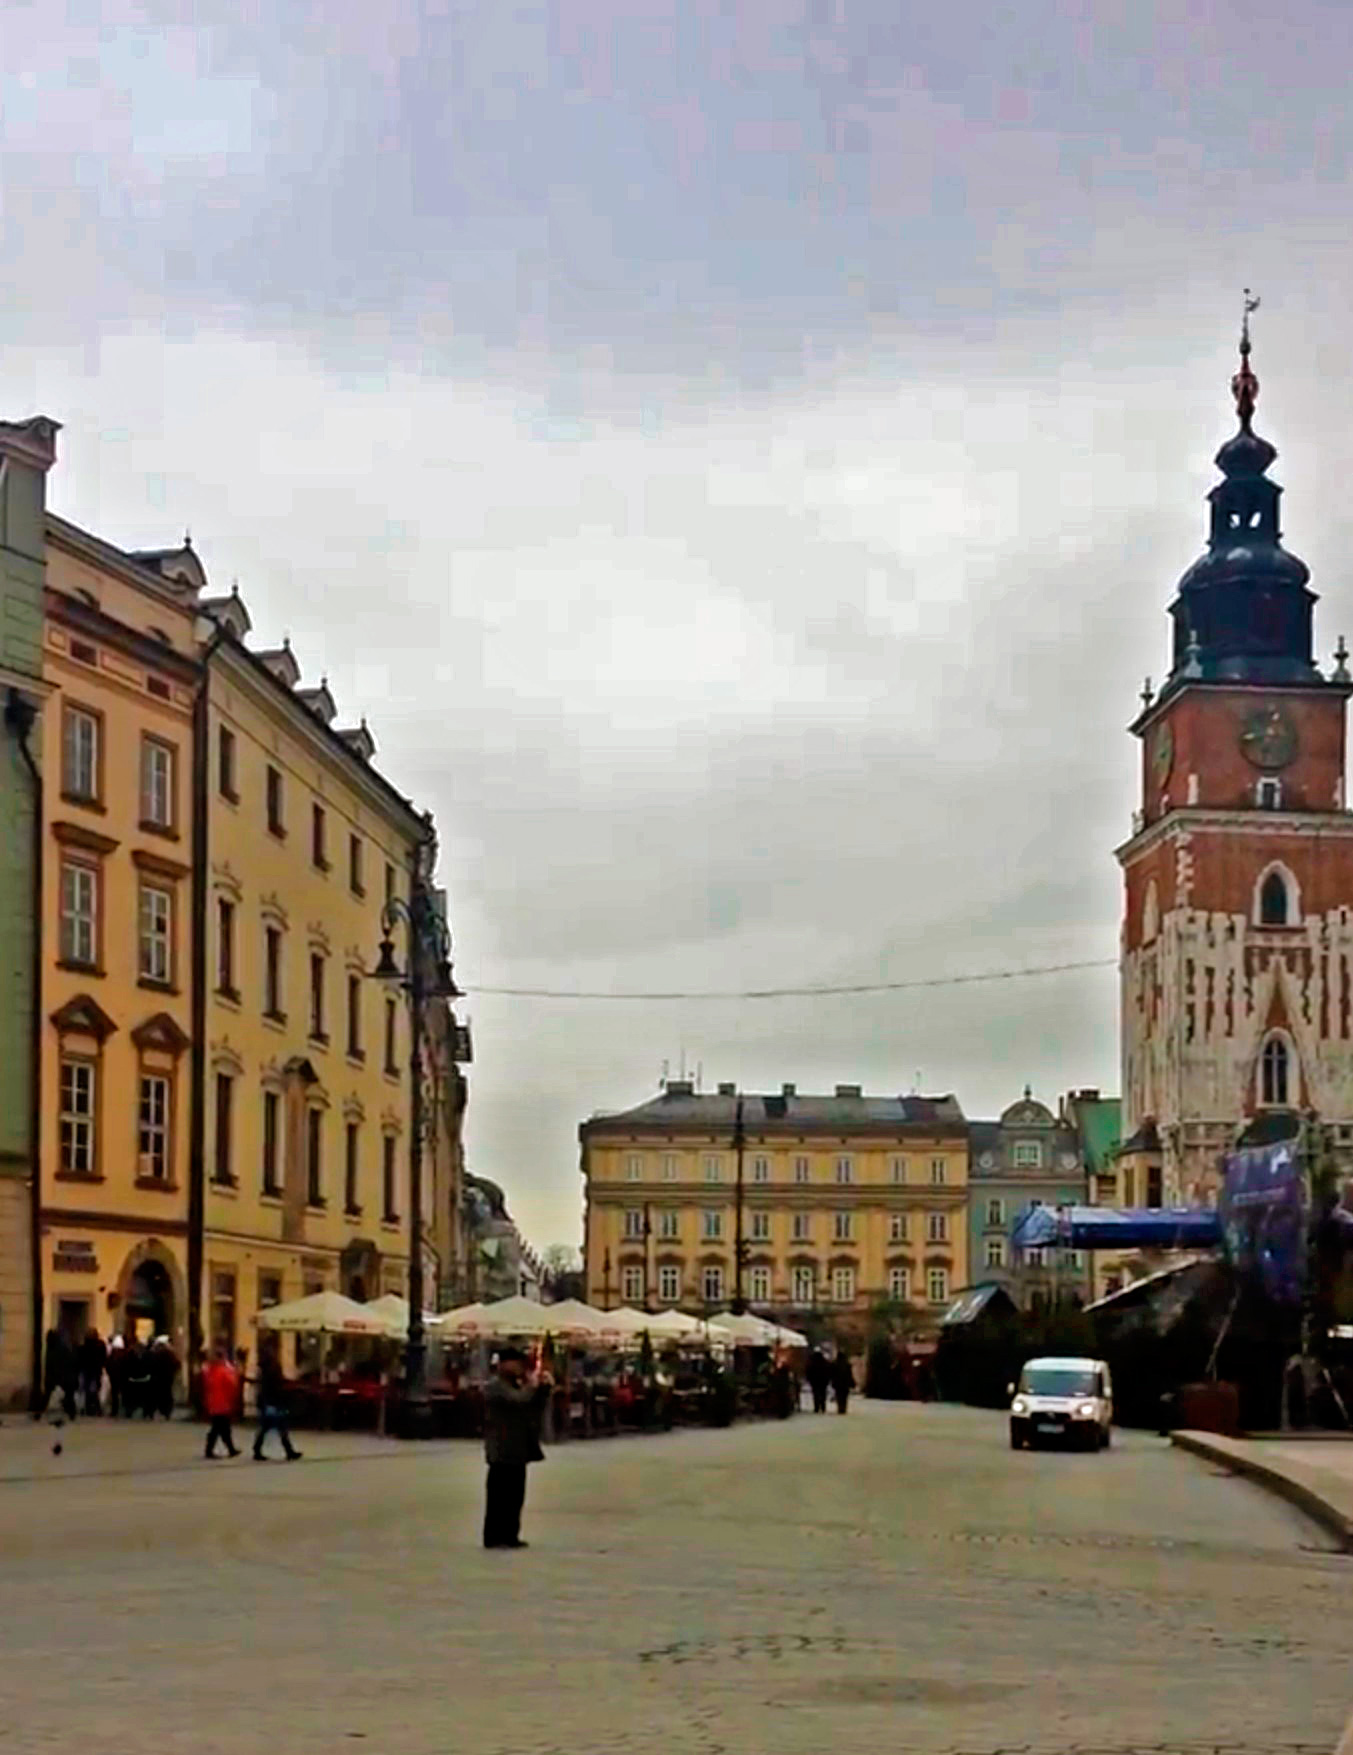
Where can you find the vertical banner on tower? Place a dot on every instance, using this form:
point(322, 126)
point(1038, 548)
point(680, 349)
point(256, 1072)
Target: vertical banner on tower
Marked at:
point(1263, 1208)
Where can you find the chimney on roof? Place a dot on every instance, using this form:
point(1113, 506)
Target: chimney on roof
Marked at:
point(850, 1090)
point(727, 1089)
point(789, 1090)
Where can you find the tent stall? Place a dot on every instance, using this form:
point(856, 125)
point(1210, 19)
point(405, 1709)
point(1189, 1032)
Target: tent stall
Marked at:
point(340, 1383)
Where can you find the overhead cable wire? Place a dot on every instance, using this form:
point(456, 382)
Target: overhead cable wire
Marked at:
point(824, 992)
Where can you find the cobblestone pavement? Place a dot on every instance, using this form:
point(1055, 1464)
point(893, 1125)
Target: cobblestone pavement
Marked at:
point(895, 1581)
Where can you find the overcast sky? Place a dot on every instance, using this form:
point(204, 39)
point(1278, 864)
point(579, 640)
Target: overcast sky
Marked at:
point(738, 456)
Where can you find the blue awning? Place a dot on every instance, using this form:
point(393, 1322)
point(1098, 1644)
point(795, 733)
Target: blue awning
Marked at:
point(1117, 1228)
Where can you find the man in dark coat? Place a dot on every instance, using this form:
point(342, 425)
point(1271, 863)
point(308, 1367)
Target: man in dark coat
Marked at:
point(513, 1405)
point(164, 1371)
point(60, 1374)
point(272, 1400)
point(843, 1380)
point(819, 1379)
point(93, 1359)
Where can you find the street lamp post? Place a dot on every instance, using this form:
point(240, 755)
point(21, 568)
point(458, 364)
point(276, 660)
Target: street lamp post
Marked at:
point(428, 976)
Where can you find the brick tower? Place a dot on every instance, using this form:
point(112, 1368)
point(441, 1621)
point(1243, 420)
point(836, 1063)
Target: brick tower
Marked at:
point(1237, 945)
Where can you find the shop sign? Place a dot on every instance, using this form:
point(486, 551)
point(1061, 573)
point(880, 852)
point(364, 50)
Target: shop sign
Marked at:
point(72, 1256)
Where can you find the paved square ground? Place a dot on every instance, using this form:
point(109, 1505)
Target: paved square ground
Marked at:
point(898, 1580)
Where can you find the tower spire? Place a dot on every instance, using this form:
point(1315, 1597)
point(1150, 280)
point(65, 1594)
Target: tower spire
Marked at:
point(1245, 386)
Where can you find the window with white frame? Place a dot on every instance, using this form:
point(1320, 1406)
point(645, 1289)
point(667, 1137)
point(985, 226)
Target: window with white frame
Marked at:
point(154, 959)
point(995, 1251)
point(758, 1284)
point(669, 1225)
point(669, 1166)
point(899, 1285)
point(1074, 1260)
point(80, 754)
point(899, 1169)
point(842, 1228)
point(761, 1227)
point(897, 1227)
point(153, 1128)
point(1034, 1257)
point(79, 913)
point(1269, 794)
point(939, 1172)
point(669, 1284)
point(937, 1227)
point(157, 783)
point(803, 1285)
point(711, 1228)
point(845, 1170)
point(760, 1169)
point(713, 1169)
point(937, 1286)
point(843, 1285)
point(800, 1169)
point(803, 1227)
point(77, 1116)
point(634, 1222)
point(995, 1211)
point(1027, 1155)
point(632, 1284)
point(711, 1285)
point(634, 1167)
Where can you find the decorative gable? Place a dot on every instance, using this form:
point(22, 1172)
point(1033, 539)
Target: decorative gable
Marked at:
point(162, 1032)
point(83, 1016)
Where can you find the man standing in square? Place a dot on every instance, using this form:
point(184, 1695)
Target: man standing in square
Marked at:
point(513, 1405)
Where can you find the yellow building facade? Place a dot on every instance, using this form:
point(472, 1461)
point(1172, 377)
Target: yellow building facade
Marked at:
point(846, 1200)
point(119, 659)
point(306, 1059)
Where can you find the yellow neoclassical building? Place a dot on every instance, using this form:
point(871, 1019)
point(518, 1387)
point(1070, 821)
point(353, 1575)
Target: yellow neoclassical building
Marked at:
point(120, 661)
point(846, 1200)
point(305, 1059)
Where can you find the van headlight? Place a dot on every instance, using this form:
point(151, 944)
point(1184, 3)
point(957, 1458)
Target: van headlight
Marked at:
point(1086, 1411)
point(1019, 1405)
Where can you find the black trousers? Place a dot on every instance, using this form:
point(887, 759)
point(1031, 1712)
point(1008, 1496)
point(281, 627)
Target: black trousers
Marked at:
point(842, 1400)
point(272, 1420)
point(819, 1398)
point(504, 1496)
point(219, 1427)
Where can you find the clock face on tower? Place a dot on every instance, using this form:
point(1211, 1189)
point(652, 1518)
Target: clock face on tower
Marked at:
point(1268, 738)
point(1162, 753)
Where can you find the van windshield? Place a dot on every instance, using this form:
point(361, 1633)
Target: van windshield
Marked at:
point(1058, 1380)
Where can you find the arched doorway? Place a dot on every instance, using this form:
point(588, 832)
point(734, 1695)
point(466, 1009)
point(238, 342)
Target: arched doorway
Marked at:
point(150, 1301)
point(151, 1294)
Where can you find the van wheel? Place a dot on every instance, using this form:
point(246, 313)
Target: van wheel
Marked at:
point(1016, 1442)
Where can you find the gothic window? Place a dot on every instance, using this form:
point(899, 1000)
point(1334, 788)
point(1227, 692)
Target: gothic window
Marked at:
point(1277, 901)
point(1150, 913)
point(1274, 1073)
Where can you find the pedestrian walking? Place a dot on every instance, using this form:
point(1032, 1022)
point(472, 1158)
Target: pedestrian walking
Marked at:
point(164, 1371)
point(513, 1405)
point(843, 1380)
point(60, 1375)
point(117, 1376)
point(819, 1379)
point(272, 1401)
point(93, 1359)
point(220, 1396)
point(136, 1381)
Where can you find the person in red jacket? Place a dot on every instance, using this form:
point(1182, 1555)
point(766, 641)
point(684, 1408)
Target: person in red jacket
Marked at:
point(220, 1398)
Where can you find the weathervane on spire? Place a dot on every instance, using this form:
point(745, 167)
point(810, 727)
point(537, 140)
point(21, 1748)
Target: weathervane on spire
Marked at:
point(1245, 386)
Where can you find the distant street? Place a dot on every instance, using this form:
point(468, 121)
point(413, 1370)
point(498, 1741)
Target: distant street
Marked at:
point(891, 1582)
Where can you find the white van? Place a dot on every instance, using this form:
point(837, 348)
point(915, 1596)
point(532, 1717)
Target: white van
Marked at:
point(1068, 1400)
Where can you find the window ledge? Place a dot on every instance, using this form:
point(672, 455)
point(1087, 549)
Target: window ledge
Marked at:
point(155, 986)
point(224, 1185)
point(316, 1206)
point(270, 1197)
point(391, 1072)
point(277, 831)
point(78, 1176)
point(163, 830)
point(230, 995)
point(321, 864)
point(78, 968)
point(359, 891)
point(275, 1020)
point(157, 1182)
point(351, 1212)
point(86, 801)
point(228, 794)
point(356, 1057)
point(320, 1038)
point(390, 1222)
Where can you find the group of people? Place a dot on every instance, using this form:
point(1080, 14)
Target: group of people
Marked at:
point(835, 1375)
point(223, 1402)
point(140, 1378)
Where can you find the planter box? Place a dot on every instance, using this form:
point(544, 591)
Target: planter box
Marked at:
point(1209, 1407)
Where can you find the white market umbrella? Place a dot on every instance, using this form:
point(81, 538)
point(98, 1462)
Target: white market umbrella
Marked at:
point(395, 1311)
point(675, 1325)
point(324, 1313)
point(790, 1337)
point(572, 1316)
point(746, 1330)
point(502, 1320)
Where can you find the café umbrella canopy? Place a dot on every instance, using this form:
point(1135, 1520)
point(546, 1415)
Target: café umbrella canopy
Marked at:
point(745, 1330)
point(324, 1313)
point(395, 1310)
point(510, 1318)
point(675, 1324)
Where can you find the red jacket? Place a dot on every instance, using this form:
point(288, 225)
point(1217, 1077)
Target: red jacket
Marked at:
point(220, 1389)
